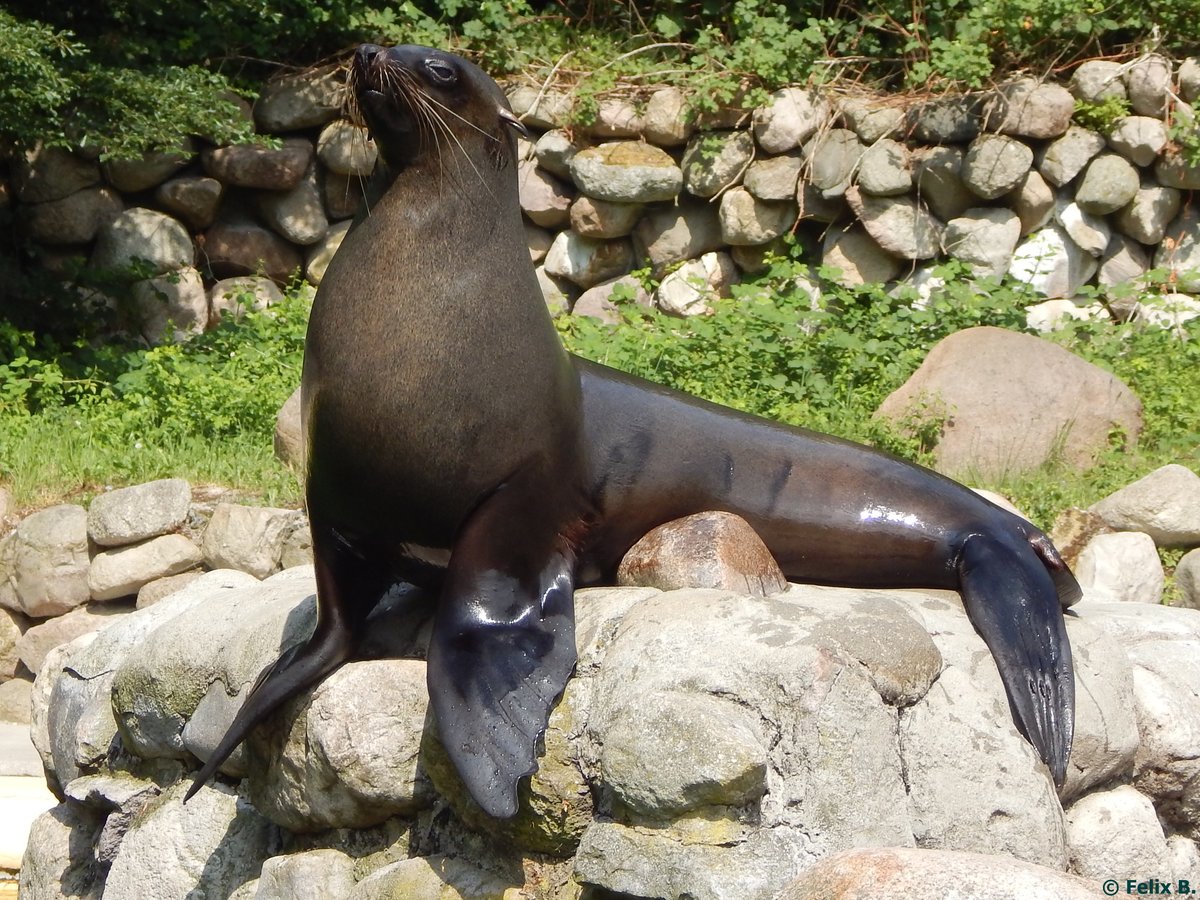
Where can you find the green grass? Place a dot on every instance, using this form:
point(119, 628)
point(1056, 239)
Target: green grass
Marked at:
point(74, 420)
point(63, 459)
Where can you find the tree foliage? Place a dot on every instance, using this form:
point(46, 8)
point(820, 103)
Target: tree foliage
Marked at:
point(130, 75)
point(56, 92)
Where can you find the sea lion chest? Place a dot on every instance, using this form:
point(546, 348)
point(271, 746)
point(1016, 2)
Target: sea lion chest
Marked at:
point(431, 372)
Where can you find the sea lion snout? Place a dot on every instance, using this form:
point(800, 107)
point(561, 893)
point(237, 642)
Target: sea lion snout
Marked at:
point(365, 55)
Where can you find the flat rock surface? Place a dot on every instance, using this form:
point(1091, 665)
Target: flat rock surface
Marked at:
point(22, 798)
point(18, 756)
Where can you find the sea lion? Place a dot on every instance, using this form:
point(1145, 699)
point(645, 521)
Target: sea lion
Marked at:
point(453, 443)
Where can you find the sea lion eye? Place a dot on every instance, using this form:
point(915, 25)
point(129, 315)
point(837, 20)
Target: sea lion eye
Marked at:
point(443, 73)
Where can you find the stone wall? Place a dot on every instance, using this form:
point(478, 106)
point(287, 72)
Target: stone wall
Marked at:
point(877, 187)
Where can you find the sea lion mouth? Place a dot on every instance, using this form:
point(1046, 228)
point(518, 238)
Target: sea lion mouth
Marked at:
point(375, 88)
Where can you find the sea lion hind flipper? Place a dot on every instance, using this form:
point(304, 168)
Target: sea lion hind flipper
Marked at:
point(1013, 602)
point(502, 649)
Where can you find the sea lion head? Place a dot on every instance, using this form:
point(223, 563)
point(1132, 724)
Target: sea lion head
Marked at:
point(422, 104)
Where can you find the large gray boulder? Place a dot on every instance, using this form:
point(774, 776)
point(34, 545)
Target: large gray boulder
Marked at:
point(789, 118)
point(247, 538)
point(297, 214)
point(601, 219)
point(1109, 182)
point(671, 234)
point(1065, 157)
point(585, 261)
point(832, 157)
point(937, 174)
point(715, 160)
point(1052, 263)
point(664, 119)
point(1148, 214)
point(1179, 253)
point(75, 219)
point(193, 198)
point(1030, 108)
point(1115, 831)
point(626, 172)
point(74, 724)
point(209, 847)
point(347, 149)
point(545, 198)
point(211, 639)
point(995, 164)
point(12, 625)
point(58, 861)
point(37, 642)
point(123, 571)
point(900, 225)
point(255, 166)
point(856, 257)
point(148, 170)
point(1164, 504)
point(748, 221)
point(912, 872)
point(1162, 644)
point(985, 238)
point(43, 174)
point(238, 245)
point(1139, 139)
point(1187, 579)
point(1008, 402)
point(885, 169)
point(710, 745)
point(1122, 566)
point(170, 307)
point(303, 100)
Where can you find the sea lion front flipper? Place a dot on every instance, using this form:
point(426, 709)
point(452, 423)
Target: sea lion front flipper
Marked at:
point(1013, 603)
point(502, 649)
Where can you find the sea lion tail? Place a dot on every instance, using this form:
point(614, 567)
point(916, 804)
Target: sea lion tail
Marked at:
point(299, 667)
point(1013, 600)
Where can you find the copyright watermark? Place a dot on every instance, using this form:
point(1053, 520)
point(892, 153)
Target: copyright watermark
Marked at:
point(1149, 887)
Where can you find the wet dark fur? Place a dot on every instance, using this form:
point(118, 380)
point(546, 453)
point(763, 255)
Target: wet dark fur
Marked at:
point(454, 444)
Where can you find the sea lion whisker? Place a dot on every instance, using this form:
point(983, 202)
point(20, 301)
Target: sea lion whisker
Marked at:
point(409, 90)
point(430, 124)
point(429, 104)
point(486, 134)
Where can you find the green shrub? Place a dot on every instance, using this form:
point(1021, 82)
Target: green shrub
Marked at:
point(55, 92)
point(1102, 116)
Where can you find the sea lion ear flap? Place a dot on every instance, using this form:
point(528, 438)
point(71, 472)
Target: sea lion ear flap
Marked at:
point(509, 117)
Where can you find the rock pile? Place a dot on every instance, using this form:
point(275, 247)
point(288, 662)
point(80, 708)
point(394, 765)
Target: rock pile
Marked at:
point(1003, 180)
point(712, 743)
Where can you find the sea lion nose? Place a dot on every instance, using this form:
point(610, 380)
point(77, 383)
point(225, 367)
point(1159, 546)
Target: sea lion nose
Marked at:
point(366, 54)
